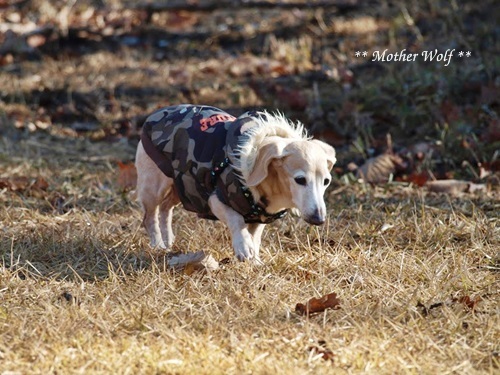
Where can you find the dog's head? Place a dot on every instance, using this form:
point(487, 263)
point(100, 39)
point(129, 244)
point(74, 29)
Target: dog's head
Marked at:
point(300, 169)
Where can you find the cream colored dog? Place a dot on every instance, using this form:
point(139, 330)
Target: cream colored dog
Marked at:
point(268, 160)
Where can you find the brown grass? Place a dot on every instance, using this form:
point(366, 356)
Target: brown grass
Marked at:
point(81, 292)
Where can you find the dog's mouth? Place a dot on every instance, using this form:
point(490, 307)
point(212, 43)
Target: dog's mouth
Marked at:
point(315, 220)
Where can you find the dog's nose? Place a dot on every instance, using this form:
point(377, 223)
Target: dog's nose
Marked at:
point(316, 219)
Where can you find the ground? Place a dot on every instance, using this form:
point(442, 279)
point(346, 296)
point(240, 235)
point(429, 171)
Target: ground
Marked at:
point(416, 272)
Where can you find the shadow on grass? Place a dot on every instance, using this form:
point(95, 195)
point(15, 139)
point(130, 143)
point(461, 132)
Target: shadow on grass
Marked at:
point(80, 258)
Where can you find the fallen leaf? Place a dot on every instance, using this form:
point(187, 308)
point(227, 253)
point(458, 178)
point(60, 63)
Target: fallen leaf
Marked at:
point(292, 98)
point(426, 310)
point(386, 227)
point(127, 176)
point(181, 20)
point(330, 136)
point(191, 262)
point(14, 183)
point(473, 188)
point(278, 69)
point(379, 169)
point(57, 201)
point(226, 261)
point(468, 302)
point(6, 59)
point(492, 133)
point(419, 179)
point(36, 40)
point(489, 94)
point(23, 183)
point(450, 111)
point(486, 169)
point(454, 187)
point(322, 350)
point(317, 305)
point(347, 110)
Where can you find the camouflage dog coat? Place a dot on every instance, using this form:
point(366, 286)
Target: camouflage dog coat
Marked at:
point(194, 145)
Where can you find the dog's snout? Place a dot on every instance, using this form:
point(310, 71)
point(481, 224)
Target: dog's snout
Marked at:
point(316, 218)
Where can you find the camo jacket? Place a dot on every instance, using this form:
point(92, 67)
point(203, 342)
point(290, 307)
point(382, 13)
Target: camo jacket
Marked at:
point(195, 146)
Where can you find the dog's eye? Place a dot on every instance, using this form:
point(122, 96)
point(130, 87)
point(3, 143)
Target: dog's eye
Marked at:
point(300, 180)
point(327, 181)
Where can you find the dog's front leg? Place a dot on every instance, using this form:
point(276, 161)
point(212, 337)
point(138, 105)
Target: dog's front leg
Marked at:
point(243, 243)
point(256, 230)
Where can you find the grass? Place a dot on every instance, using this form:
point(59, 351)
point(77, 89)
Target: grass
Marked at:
point(81, 292)
point(417, 273)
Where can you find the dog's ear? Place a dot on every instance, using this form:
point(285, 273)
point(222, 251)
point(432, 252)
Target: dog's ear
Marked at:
point(329, 151)
point(273, 150)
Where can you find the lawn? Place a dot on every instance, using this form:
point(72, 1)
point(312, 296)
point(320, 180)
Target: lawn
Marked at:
point(416, 272)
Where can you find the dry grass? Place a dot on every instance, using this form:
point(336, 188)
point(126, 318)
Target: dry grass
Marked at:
point(80, 292)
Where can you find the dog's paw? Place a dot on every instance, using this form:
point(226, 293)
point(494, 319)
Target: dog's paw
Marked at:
point(256, 261)
point(168, 244)
point(244, 248)
point(168, 239)
point(158, 245)
point(243, 254)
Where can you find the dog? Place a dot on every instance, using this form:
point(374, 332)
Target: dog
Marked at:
point(246, 172)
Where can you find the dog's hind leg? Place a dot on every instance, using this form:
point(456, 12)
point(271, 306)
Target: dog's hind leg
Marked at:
point(151, 223)
point(152, 187)
point(166, 209)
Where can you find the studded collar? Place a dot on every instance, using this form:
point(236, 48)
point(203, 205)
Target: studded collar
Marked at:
point(257, 210)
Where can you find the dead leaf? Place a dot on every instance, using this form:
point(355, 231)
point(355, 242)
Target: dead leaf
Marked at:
point(279, 69)
point(450, 111)
point(36, 40)
point(330, 136)
point(386, 227)
point(419, 179)
point(347, 110)
point(454, 187)
point(291, 97)
point(57, 201)
point(181, 20)
point(448, 186)
point(14, 183)
point(487, 169)
point(492, 133)
point(127, 176)
point(192, 262)
point(426, 310)
point(489, 94)
point(6, 59)
point(322, 350)
point(473, 188)
point(226, 261)
point(469, 303)
point(24, 183)
point(40, 184)
point(379, 169)
point(317, 305)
